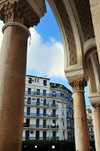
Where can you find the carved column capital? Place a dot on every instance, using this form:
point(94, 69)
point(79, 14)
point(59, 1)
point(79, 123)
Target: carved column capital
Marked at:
point(96, 105)
point(18, 11)
point(77, 83)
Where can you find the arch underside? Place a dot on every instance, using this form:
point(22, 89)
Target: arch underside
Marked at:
point(82, 16)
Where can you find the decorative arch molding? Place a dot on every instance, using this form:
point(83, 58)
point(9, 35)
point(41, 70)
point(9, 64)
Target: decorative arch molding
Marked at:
point(70, 36)
point(93, 72)
point(75, 30)
point(93, 88)
point(90, 43)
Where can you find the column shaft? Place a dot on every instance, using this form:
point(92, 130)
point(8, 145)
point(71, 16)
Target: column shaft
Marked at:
point(96, 122)
point(12, 85)
point(80, 122)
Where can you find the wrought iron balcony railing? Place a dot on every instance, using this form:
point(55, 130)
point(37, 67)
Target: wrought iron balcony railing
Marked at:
point(35, 103)
point(67, 107)
point(49, 94)
point(70, 118)
point(40, 114)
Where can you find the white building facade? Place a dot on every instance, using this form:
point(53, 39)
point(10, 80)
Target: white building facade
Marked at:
point(48, 110)
point(90, 122)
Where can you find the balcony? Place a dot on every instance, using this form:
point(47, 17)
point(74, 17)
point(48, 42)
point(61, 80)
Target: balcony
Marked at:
point(70, 128)
point(54, 115)
point(54, 105)
point(56, 126)
point(35, 114)
point(49, 95)
point(35, 138)
point(36, 104)
point(35, 126)
point(70, 118)
point(68, 108)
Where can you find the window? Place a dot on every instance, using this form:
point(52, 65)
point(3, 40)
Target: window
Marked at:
point(44, 123)
point(38, 111)
point(37, 122)
point(28, 110)
point(37, 80)
point(63, 123)
point(44, 112)
point(44, 102)
point(38, 91)
point(45, 82)
point(29, 90)
point(38, 101)
point(30, 80)
point(44, 92)
point(29, 100)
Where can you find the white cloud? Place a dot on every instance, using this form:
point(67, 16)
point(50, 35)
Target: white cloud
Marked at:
point(45, 58)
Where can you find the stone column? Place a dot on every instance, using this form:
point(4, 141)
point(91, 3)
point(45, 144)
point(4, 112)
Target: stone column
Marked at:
point(18, 16)
point(96, 122)
point(12, 85)
point(80, 118)
point(95, 10)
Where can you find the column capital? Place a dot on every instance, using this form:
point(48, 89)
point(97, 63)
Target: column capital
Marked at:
point(96, 105)
point(77, 83)
point(18, 11)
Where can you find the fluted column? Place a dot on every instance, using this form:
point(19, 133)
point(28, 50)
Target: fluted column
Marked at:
point(96, 122)
point(18, 16)
point(80, 118)
point(95, 11)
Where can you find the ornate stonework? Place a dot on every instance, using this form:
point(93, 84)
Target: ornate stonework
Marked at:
point(68, 29)
point(18, 11)
point(83, 9)
point(96, 105)
point(78, 83)
point(92, 76)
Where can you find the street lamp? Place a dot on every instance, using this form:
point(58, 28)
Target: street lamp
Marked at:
point(35, 146)
point(53, 146)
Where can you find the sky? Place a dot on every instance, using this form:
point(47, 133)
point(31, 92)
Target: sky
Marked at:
point(45, 55)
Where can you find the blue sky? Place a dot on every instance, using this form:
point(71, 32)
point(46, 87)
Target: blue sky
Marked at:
point(45, 53)
point(47, 30)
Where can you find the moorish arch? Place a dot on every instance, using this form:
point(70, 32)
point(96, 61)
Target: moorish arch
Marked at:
point(93, 68)
point(75, 24)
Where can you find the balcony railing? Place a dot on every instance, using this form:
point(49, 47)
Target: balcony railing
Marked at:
point(71, 128)
point(40, 114)
point(57, 126)
point(54, 115)
point(35, 103)
point(67, 107)
point(35, 138)
point(54, 105)
point(35, 126)
point(49, 94)
point(35, 114)
point(70, 118)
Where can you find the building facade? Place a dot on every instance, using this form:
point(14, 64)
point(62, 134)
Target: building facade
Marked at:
point(90, 122)
point(48, 110)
